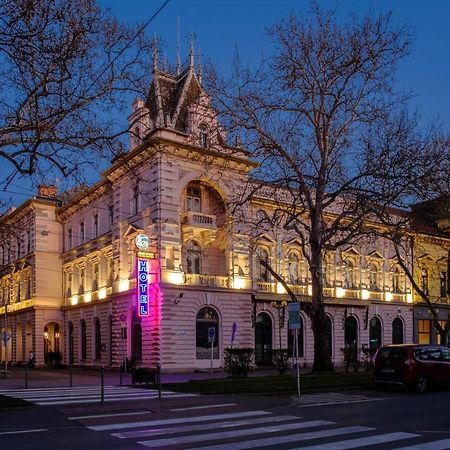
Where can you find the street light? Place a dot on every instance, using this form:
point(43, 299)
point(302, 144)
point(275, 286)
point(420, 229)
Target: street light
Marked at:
point(280, 305)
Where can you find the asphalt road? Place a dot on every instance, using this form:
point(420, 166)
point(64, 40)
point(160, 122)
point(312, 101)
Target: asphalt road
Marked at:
point(394, 419)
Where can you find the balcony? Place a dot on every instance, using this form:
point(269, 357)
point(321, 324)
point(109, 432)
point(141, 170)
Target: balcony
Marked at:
point(265, 286)
point(199, 220)
point(194, 279)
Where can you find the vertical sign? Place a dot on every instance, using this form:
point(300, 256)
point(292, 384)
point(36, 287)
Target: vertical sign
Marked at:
point(143, 296)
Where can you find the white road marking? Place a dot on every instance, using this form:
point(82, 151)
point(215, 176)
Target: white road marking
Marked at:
point(36, 430)
point(340, 402)
point(157, 443)
point(223, 405)
point(150, 423)
point(436, 445)
point(98, 416)
point(258, 443)
point(360, 442)
point(203, 426)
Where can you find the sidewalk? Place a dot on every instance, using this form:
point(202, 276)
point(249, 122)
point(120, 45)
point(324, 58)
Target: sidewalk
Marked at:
point(42, 378)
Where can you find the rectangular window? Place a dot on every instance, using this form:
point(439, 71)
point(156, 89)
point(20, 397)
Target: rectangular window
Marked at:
point(95, 270)
point(443, 280)
point(82, 280)
point(424, 331)
point(111, 215)
point(82, 233)
point(193, 200)
point(95, 220)
point(69, 238)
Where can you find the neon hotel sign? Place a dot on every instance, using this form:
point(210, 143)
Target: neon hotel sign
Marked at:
point(144, 274)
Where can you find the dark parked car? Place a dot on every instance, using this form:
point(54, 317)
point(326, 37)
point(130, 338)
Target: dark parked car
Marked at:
point(412, 365)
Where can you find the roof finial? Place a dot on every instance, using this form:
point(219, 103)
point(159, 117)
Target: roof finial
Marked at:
point(155, 53)
point(178, 47)
point(191, 51)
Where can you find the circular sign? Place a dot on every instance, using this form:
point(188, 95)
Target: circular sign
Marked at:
point(141, 241)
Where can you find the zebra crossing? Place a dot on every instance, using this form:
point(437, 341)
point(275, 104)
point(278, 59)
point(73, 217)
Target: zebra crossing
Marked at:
point(228, 429)
point(86, 394)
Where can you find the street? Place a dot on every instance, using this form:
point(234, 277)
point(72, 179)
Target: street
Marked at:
point(392, 419)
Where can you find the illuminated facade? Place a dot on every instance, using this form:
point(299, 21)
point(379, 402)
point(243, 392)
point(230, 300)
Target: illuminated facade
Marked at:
point(146, 262)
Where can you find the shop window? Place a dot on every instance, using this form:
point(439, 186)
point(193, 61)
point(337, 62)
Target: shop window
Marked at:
point(206, 318)
point(424, 327)
point(98, 339)
point(374, 334)
point(83, 340)
point(193, 257)
point(397, 331)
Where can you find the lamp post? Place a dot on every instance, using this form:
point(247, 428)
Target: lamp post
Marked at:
point(280, 306)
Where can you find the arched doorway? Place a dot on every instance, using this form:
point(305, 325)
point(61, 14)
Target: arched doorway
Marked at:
point(351, 339)
point(397, 331)
point(263, 340)
point(374, 334)
point(136, 337)
point(207, 318)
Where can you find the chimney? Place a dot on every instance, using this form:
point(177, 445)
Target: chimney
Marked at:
point(47, 191)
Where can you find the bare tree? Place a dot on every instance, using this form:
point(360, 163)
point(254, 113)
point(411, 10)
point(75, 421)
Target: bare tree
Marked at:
point(322, 117)
point(65, 67)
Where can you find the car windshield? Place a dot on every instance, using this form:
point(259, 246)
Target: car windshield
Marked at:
point(391, 353)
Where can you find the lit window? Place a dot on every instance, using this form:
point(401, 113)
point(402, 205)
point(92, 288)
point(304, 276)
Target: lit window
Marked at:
point(263, 274)
point(424, 331)
point(425, 281)
point(373, 277)
point(193, 257)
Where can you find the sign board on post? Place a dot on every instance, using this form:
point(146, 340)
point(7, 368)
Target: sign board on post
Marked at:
point(294, 315)
point(211, 334)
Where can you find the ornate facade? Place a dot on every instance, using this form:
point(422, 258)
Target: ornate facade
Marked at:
point(73, 266)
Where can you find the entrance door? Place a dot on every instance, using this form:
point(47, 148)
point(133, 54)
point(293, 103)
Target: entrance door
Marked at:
point(263, 340)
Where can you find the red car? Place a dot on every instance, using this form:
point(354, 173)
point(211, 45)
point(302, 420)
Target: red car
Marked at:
point(412, 365)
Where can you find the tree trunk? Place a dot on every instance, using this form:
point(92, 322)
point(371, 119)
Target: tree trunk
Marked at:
point(322, 353)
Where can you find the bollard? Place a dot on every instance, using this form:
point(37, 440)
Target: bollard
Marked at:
point(120, 375)
point(70, 374)
point(26, 376)
point(102, 384)
point(158, 379)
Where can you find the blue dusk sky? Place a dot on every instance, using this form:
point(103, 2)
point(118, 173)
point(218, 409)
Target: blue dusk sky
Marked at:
point(221, 26)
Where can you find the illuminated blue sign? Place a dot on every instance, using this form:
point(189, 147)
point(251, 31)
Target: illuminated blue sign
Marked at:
point(142, 285)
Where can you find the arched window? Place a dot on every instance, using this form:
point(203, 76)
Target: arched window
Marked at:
point(294, 268)
point(397, 331)
point(396, 281)
point(263, 272)
point(203, 135)
point(98, 339)
point(263, 339)
point(206, 319)
point(71, 343)
point(300, 342)
point(349, 274)
point(374, 334)
point(351, 339)
point(193, 257)
point(136, 337)
point(373, 277)
point(83, 340)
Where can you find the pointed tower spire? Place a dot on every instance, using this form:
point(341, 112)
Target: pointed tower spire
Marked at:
point(191, 51)
point(178, 47)
point(155, 54)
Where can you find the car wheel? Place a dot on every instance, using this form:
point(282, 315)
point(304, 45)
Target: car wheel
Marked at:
point(422, 384)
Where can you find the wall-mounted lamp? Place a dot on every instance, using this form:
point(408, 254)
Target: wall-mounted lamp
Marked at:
point(178, 298)
point(45, 334)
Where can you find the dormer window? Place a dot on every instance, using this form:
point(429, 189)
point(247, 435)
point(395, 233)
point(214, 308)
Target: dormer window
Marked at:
point(203, 136)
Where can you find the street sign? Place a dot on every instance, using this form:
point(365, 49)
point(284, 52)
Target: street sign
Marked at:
point(211, 334)
point(294, 315)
